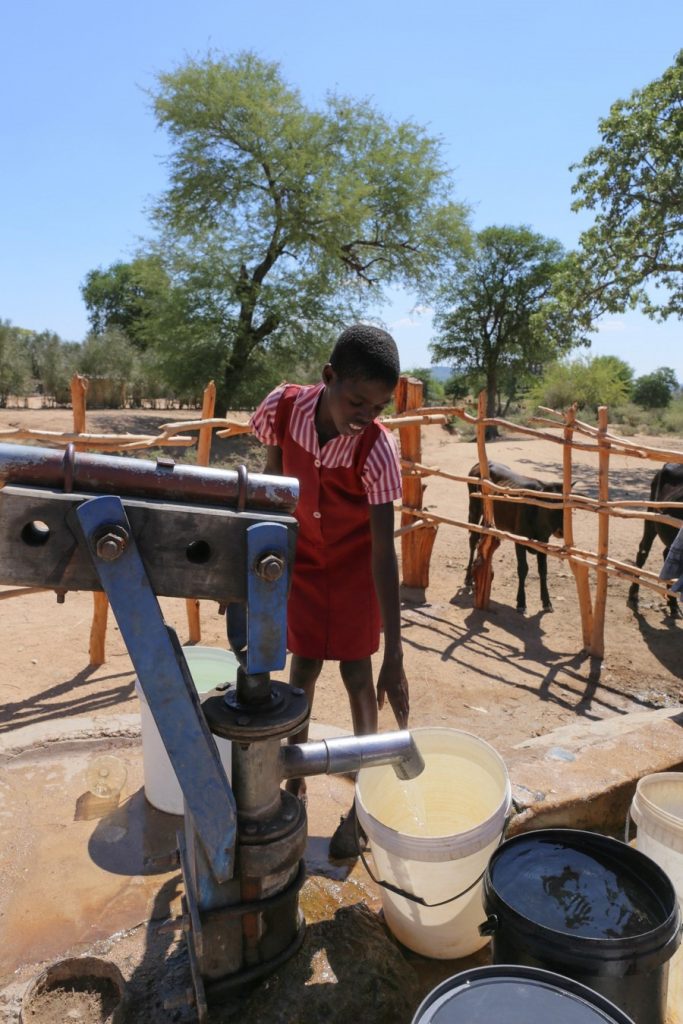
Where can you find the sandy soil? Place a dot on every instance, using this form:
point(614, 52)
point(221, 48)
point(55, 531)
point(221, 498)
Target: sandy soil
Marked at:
point(496, 673)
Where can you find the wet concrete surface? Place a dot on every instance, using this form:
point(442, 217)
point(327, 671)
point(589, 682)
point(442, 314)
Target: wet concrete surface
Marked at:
point(77, 867)
point(85, 874)
point(71, 878)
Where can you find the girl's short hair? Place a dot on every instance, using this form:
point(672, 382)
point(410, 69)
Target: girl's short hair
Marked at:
point(366, 352)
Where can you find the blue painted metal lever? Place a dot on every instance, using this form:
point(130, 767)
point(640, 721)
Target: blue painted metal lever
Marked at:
point(165, 679)
point(258, 630)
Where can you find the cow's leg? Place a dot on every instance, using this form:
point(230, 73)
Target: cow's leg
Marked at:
point(649, 534)
point(522, 572)
point(473, 516)
point(542, 560)
point(474, 540)
point(674, 607)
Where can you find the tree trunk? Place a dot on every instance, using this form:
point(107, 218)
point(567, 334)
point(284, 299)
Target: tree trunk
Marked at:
point(491, 392)
point(234, 372)
point(247, 338)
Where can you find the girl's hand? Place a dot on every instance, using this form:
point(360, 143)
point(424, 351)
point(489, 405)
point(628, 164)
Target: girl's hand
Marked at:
point(393, 684)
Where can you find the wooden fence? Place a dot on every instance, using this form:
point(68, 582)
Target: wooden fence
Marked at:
point(82, 439)
point(418, 527)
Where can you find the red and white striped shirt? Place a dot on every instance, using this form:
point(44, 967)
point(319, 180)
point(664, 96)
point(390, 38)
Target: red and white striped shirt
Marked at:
point(381, 474)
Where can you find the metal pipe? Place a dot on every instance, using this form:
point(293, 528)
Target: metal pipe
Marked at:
point(141, 478)
point(255, 778)
point(351, 753)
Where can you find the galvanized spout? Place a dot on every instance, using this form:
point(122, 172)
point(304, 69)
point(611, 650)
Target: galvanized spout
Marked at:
point(351, 753)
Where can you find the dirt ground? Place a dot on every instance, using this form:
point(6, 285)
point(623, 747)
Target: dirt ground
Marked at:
point(496, 673)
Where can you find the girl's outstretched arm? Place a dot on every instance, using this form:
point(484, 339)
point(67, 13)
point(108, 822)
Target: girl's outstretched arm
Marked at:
point(392, 682)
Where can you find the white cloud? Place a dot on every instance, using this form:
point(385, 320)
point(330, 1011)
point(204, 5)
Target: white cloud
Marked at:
point(404, 321)
point(413, 319)
point(611, 327)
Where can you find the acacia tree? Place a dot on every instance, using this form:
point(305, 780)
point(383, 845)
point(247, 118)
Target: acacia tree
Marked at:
point(496, 316)
point(634, 182)
point(281, 222)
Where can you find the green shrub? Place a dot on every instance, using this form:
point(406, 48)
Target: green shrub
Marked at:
point(672, 418)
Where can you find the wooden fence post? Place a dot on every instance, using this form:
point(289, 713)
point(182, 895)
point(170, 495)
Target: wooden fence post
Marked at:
point(482, 567)
point(79, 387)
point(203, 459)
point(580, 571)
point(417, 543)
point(597, 644)
point(100, 613)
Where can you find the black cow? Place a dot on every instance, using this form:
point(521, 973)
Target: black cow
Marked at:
point(667, 485)
point(530, 521)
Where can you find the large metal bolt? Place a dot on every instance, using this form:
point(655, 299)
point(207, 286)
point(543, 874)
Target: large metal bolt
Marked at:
point(270, 568)
point(111, 545)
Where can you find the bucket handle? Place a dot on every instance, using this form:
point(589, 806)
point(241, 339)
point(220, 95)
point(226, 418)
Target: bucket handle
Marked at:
point(409, 895)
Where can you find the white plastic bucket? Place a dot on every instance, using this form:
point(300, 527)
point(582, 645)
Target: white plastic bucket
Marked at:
point(657, 810)
point(209, 666)
point(432, 837)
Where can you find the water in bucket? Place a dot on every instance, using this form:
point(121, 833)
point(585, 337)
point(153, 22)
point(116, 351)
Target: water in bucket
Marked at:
point(428, 808)
point(588, 907)
point(431, 837)
point(657, 810)
point(209, 667)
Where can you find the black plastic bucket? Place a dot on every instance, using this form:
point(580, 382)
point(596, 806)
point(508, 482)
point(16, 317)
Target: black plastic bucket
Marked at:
point(515, 995)
point(587, 907)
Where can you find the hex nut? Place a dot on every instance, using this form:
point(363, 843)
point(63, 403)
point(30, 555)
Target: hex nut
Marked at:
point(270, 568)
point(110, 546)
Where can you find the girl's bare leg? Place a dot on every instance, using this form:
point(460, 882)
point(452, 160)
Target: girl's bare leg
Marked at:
point(303, 672)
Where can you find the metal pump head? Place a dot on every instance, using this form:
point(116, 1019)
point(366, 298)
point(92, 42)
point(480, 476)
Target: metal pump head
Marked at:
point(351, 753)
point(412, 765)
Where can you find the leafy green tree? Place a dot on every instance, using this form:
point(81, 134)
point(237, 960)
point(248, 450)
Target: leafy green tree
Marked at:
point(633, 180)
point(281, 223)
point(147, 379)
point(433, 392)
point(655, 390)
point(590, 382)
point(496, 318)
point(125, 296)
point(54, 362)
point(113, 357)
point(612, 368)
point(462, 385)
point(15, 361)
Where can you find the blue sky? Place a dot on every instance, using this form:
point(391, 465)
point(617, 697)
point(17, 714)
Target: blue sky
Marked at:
point(514, 89)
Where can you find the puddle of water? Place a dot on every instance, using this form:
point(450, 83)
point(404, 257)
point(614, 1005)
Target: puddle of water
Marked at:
point(70, 878)
point(126, 841)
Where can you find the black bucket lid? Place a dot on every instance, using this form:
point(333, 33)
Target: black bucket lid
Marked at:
point(508, 994)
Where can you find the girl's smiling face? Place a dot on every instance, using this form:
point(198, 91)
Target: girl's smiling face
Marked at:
point(350, 404)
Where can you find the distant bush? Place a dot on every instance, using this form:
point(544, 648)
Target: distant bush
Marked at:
point(655, 390)
point(590, 382)
point(638, 420)
point(432, 389)
point(672, 418)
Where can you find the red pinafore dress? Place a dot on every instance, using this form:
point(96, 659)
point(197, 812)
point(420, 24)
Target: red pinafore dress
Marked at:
point(332, 612)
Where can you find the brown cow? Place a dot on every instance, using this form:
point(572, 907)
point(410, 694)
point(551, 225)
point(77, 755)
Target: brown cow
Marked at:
point(530, 521)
